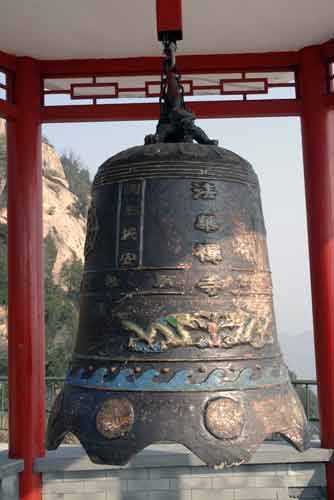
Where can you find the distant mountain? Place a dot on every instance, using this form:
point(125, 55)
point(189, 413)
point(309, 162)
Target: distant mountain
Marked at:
point(298, 351)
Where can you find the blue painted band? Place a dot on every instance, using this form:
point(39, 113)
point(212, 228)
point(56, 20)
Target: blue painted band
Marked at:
point(125, 380)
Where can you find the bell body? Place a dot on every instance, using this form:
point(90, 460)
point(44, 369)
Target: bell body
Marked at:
point(177, 338)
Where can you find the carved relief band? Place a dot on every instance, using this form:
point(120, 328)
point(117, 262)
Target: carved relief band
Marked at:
point(202, 329)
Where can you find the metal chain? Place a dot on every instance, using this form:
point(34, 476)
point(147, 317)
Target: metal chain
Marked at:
point(170, 65)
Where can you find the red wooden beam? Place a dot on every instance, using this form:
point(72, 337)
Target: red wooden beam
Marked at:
point(105, 112)
point(25, 281)
point(169, 18)
point(150, 111)
point(246, 109)
point(8, 110)
point(213, 63)
point(7, 61)
point(318, 149)
point(217, 63)
point(130, 66)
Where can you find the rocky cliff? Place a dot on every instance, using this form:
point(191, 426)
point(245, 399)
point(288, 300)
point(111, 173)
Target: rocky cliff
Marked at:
point(60, 221)
point(64, 235)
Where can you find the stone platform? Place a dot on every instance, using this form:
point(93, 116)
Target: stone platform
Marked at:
point(171, 472)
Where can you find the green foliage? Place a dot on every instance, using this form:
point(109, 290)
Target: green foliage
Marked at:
point(61, 312)
point(50, 254)
point(70, 277)
point(61, 318)
point(61, 305)
point(79, 182)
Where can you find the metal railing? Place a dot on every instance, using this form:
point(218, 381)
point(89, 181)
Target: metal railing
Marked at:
point(306, 389)
point(53, 386)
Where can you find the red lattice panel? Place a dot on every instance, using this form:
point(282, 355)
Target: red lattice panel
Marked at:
point(246, 85)
point(94, 90)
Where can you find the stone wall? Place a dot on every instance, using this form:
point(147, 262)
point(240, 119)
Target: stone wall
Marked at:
point(269, 482)
point(175, 474)
point(9, 477)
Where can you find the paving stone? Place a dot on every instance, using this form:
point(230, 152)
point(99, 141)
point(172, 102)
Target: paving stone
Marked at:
point(148, 484)
point(63, 487)
point(212, 495)
point(255, 493)
point(172, 495)
point(187, 482)
point(230, 482)
point(271, 482)
point(113, 495)
point(133, 495)
point(107, 485)
point(85, 496)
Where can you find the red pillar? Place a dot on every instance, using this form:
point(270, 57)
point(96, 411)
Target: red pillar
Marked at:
point(318, 149)
point(25, 275)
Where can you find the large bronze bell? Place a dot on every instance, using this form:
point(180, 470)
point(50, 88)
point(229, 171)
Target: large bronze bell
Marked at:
point(177, 338)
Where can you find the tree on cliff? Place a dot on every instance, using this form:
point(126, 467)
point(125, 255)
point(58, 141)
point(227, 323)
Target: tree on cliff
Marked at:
point(79, 181)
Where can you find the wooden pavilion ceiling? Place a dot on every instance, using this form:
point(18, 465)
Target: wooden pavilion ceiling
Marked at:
point(63, 29)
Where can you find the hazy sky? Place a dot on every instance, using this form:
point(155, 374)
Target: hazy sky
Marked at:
point(273, 146)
